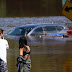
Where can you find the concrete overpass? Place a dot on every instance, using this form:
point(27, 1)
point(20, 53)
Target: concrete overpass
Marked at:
point(13, 8)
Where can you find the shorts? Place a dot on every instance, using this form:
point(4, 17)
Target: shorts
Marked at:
point(3, 66)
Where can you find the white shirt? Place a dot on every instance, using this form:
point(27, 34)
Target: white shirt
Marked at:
point(3, 46)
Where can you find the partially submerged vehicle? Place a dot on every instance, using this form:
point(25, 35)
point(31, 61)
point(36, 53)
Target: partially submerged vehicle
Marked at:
point(41, 29)
point(37, 34)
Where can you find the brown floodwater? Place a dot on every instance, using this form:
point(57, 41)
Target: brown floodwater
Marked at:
point(49, 56)
point(45, 57)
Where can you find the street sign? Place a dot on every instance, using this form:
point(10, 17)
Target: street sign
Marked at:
point(67, 10)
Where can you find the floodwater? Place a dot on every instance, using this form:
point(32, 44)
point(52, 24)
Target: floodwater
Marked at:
point(47, 56)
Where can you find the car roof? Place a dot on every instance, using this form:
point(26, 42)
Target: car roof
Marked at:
point(49, 24)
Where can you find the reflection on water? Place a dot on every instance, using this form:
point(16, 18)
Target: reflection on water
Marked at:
point(45, 57)
point(49, 56)
point(68, 65)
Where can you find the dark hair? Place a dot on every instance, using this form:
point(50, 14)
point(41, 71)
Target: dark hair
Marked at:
point(22, 42)
point(1, 31)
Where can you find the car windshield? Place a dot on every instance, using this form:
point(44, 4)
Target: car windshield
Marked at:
point(21, 31)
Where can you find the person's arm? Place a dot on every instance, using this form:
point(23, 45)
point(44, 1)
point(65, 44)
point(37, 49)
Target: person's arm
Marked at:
point(21, 51)
point(28, 49)
point(7, 46)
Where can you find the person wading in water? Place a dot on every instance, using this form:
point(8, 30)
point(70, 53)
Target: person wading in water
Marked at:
point(3, 52)
point(23, 60)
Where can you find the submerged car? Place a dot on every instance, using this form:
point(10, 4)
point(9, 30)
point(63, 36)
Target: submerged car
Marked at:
point(40, 29)
point(40, 34)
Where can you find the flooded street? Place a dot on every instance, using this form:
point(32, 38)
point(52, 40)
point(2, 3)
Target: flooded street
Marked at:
point(46, 56)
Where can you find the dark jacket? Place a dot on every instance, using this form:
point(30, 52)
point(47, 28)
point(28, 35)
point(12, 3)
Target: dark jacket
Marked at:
point(24, 65)
point(21, 59)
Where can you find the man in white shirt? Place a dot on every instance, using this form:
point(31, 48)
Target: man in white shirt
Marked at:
point(3, 53)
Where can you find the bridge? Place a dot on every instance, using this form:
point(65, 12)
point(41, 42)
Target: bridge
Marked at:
point(22, 8)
